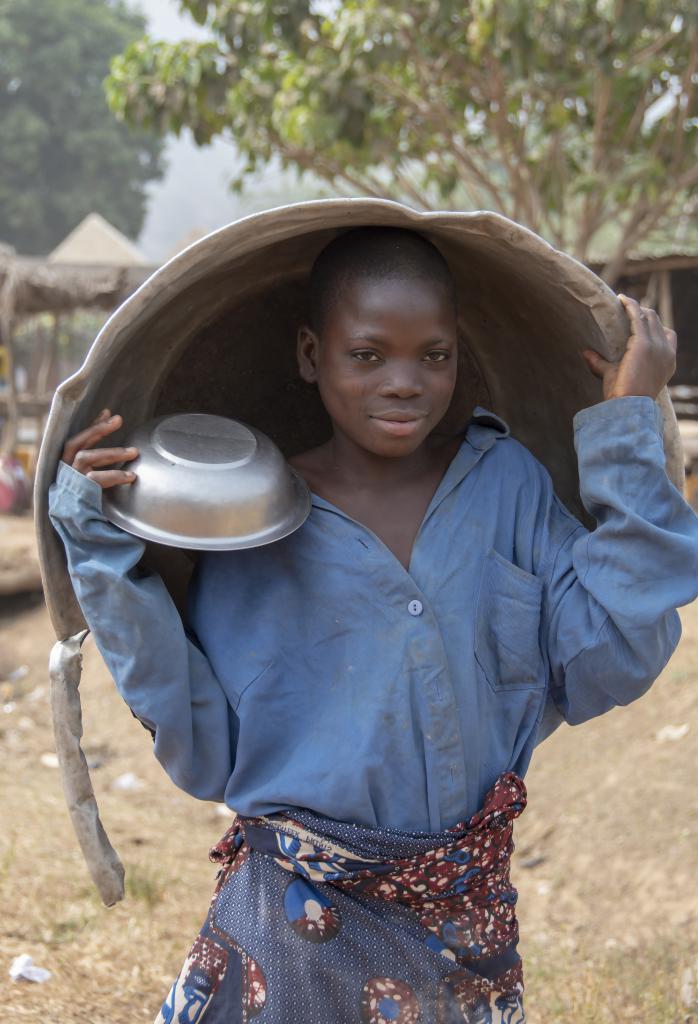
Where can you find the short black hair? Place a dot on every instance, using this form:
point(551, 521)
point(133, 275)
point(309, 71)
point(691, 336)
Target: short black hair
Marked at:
point(373, 253)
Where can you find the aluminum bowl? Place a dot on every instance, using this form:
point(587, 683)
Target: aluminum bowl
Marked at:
point(207, 483)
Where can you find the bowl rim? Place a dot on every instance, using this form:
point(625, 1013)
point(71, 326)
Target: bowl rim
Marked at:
point(298, 515)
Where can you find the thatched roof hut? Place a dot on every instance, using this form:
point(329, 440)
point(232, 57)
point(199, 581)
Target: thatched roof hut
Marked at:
point(96, 243)
point(31, 286)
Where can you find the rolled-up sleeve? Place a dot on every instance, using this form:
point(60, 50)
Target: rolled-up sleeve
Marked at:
point(609, 621)
point(161, 673)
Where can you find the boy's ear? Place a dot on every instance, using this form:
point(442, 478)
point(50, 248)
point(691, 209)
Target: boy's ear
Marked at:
point(307, 353)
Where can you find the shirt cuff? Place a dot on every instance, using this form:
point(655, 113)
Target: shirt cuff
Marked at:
point(72, 482)
point(625, 413)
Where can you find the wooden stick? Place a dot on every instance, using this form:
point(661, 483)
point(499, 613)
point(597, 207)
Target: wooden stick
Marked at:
point(65, 669)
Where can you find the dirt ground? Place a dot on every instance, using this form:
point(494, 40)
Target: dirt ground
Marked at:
point(606, 863)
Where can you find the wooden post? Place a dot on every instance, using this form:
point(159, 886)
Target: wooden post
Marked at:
point(665, 300)
point(11, 425)
point(650, 298)
point(42, 385)
point(48, 357)
point(8, 438)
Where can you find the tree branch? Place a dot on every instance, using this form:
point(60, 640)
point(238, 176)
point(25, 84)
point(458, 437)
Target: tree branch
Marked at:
point(687, 90)
point(523, 205)
point(643, 220)
point(652, 49)
point(443, 122)
point(402, 178)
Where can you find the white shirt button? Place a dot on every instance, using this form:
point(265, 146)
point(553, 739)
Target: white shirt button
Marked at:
point(415, 607)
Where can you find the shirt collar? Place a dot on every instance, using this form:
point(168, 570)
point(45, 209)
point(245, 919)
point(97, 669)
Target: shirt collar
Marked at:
point(484, 429)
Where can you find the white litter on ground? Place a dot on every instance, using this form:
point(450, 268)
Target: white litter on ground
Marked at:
point(689, 987)
point(672, 732)
point(18, 673)
point(23, 968)
point(128, 782)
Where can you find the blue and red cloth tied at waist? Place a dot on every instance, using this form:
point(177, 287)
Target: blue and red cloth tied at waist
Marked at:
point(314, 921)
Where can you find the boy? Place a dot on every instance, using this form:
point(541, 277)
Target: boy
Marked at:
point(367, 692)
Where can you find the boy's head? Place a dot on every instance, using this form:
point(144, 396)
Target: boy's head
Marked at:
point(381, 341)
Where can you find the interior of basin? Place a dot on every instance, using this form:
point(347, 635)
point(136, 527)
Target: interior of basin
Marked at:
point(225, 343)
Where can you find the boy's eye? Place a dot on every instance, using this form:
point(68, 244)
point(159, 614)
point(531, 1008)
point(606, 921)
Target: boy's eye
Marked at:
point(365, 355)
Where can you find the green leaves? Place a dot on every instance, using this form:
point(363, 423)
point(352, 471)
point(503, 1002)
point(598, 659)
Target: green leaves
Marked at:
point(165, 87)
point(63, 153)
point(533, 109)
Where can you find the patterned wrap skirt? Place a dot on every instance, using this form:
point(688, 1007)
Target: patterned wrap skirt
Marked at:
point(314, 921)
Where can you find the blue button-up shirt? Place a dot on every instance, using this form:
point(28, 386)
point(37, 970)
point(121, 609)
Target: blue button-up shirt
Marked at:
point(318, 672)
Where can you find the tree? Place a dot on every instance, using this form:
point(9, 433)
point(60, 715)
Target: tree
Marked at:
point(63, 152)
point(568, 117)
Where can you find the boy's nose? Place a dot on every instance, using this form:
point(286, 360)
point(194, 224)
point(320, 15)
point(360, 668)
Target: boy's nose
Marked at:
point(401, 382)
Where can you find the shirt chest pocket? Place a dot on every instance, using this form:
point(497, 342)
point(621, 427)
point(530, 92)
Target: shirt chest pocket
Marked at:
point(507, 625)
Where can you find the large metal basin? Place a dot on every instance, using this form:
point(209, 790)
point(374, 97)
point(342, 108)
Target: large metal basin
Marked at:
point(214, 331)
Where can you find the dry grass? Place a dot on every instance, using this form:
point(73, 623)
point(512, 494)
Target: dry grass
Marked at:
point(639, 985)
point(606, 865)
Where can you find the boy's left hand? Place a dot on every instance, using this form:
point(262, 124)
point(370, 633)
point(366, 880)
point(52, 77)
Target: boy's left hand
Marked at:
point(649, 360)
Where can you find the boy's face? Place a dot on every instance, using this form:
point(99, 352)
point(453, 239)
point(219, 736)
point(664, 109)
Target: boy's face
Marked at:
point(385, 364)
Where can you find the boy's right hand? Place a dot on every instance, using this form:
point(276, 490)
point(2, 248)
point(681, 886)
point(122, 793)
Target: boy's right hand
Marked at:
point(82, 456)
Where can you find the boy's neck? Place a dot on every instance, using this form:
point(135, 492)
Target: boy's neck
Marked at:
point(350, 466)
point(390, 496)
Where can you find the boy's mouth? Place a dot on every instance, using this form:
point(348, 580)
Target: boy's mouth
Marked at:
point(399, 422)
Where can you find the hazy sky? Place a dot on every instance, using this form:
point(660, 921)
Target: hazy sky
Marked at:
point(194, 195)
point(165, 20)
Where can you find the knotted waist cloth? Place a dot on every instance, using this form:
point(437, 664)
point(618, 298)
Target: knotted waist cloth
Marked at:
point(314, 921)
